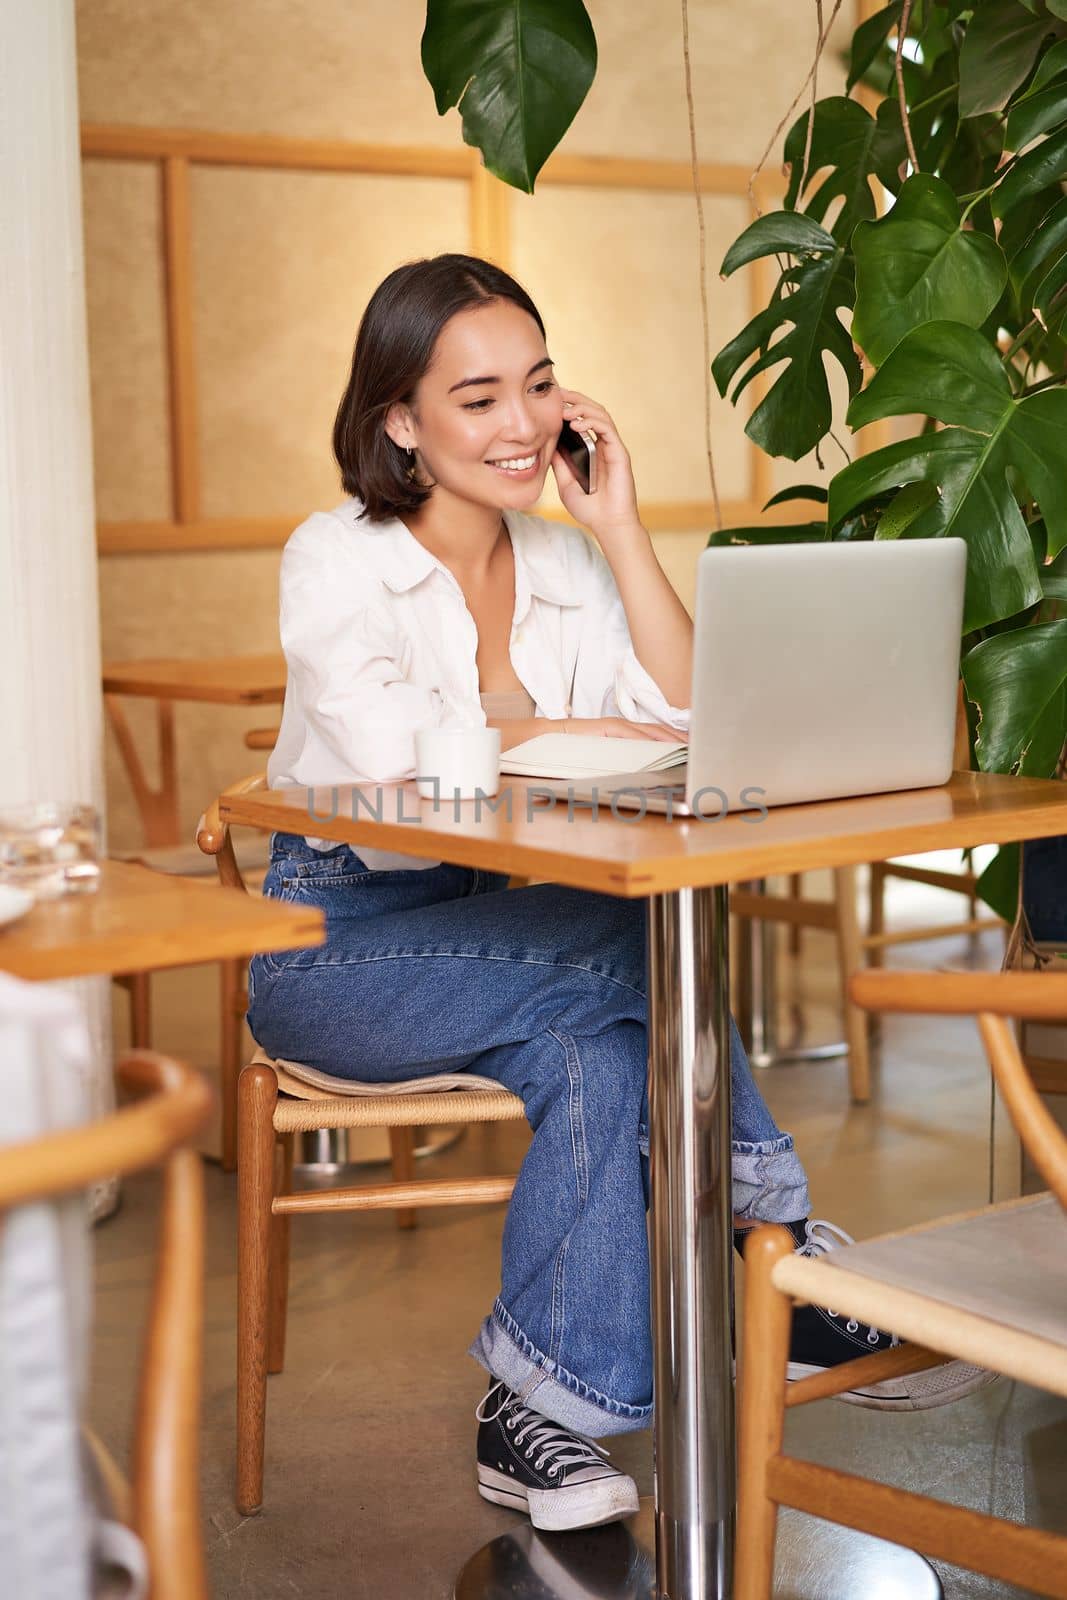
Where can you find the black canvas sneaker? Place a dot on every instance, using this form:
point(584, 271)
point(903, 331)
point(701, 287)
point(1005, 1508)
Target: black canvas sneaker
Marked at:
point(560, 1479)
point(823, 1338)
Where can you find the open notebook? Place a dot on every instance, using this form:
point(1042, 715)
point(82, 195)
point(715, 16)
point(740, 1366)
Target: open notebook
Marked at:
point(567, 755)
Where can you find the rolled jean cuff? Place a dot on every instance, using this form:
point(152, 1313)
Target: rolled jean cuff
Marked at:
point(504, 1351)
point(769, 1183)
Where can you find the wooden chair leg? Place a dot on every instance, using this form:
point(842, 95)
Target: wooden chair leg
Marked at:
point(278, 1290)
point(850, 960)
point(232, 1006)
point(257, 1096)
point(402, 1160)
point(140, 1010)
point(876, 912)
point(761, 1381)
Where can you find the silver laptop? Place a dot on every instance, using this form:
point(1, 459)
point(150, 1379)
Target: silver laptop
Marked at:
point(819, 671)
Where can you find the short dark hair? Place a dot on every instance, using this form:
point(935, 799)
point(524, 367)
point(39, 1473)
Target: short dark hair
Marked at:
point(394, 348)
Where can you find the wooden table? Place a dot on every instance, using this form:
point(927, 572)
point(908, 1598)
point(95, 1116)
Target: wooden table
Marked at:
point(683, 869)
point(220, 680)
point(140, 920)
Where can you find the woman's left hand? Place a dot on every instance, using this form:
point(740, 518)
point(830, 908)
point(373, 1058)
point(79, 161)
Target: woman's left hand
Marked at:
point(611, 510)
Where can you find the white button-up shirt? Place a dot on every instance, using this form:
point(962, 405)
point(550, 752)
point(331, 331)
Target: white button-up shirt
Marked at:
point(379, 643)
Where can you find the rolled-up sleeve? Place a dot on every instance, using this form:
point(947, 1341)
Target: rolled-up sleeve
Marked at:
point(607, 661)
point(351, 710)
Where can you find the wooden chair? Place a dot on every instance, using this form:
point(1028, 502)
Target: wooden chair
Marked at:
point(838, 916)
point(273, 1106)
point(964, 882)
point(933, 1285)
point(172, 1104)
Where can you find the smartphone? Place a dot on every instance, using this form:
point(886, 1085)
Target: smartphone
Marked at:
point(580, 451)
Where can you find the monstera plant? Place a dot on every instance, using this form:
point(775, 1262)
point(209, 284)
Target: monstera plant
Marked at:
point(923, 247)
point(516, 69)
point(956, 296)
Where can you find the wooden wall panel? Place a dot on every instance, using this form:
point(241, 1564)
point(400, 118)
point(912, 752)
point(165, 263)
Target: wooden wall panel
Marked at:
point(615, 277)
point(127, 339)
point(326, 69)
point(284, 264)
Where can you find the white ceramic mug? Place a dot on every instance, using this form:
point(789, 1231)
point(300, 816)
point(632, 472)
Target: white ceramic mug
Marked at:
point(457, 763)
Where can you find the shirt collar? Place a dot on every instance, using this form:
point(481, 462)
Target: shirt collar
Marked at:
point(403, 561)
point(539, 570)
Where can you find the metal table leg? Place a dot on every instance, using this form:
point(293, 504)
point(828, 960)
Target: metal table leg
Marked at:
point(692, 1285)
point(757, 998)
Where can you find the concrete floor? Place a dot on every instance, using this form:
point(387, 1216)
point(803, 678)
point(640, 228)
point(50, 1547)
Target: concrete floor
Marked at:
point(370, 1434)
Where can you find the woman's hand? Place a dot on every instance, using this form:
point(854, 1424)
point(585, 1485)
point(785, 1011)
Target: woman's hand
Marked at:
point(619, 728)
point(611, 511)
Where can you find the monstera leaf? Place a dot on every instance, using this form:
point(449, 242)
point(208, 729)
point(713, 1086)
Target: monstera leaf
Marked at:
point(993, 443)
point(917, 265)
point(869, 40)
point(1018, 681)
point(999, 48)
point(800, 327)
point(856, 147)
point(517, 69)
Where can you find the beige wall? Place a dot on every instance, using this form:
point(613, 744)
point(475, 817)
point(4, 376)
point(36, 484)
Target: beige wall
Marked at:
point(283, 264)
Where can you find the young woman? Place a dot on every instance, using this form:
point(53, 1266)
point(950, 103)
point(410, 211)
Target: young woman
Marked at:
point(432, 598)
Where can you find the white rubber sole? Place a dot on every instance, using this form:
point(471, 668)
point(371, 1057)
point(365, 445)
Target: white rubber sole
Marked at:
point(893, 1394)
point(583, 1505)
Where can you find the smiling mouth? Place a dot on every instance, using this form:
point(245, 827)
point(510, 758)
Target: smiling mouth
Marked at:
point(515, 464)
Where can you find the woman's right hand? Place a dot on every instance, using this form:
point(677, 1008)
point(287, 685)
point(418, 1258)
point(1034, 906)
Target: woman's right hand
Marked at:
point(620, 728)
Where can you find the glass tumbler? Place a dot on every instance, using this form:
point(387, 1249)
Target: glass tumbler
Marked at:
point(50, 849)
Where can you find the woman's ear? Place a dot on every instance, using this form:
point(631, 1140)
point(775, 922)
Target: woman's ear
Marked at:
point(400, 426)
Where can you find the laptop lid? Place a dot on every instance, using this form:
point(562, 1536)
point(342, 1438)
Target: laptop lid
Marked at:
point(824, 670)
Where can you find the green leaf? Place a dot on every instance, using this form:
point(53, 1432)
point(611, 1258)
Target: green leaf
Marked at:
point(1036, 115)
point(855, 147)
point(798, 491)
point(800, 327)
point(999, 48)
point(917, 265)
point(1052, 63)
point(869, 39)
point(1042, 249)
point(518, 70)
point(1039, 169)
point(993, 442)
point(998, 885)
point(1014, 679)
point(1054, 578)
point(906, 506)
point(1049, 294)
point(782, 533)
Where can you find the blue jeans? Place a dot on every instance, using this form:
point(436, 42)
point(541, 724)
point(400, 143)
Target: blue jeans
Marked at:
point(542, 989)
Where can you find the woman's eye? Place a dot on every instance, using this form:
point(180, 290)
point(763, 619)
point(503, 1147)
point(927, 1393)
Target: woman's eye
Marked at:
point(544, 386)
point(478, 405)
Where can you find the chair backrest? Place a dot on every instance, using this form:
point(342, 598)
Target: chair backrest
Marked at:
point(213, 835)
point(993, 997)
point(172, 1104)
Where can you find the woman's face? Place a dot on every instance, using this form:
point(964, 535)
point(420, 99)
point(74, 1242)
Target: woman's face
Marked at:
point(486, 415)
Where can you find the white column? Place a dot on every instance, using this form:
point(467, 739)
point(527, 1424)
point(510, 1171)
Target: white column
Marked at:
point(50, 703)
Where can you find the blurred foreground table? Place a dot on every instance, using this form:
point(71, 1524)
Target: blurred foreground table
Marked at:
point(220, 680)
point(139, 920)
point(682, 868)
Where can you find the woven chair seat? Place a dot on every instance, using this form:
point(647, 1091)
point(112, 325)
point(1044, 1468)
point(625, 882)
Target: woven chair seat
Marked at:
point(189, 861)
point(989, 1287)
point(315, 1100)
